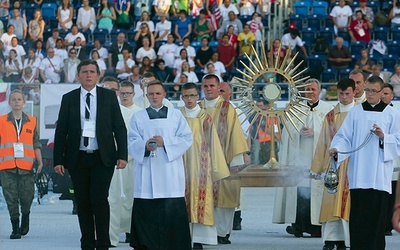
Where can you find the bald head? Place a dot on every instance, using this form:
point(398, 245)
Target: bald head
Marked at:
point(225, 90)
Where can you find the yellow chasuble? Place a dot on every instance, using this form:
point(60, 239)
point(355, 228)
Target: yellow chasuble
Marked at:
point(334, 206)
point(204, 163)
point(233, 142)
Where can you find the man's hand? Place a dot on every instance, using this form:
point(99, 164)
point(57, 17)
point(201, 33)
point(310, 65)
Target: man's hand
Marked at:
point(307, 132)
point(40, 166)
point(378, 131)
point(333, 152)
point(121, 164)
point(396, 219)
point(159, 140)
point(59, 169)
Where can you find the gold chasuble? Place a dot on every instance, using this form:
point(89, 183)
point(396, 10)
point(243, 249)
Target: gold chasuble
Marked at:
point(233, 142)
point(204, 164)
point(334, 206)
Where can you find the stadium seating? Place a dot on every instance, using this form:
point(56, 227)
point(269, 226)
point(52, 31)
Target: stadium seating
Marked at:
point(356, 47)
point(395, 33)
point(49, 11)
point(388, 61)
point(297, 20)
point(345, 35)
point(320, 8)
point(308, 35)
point(302, 8)
point(393, 47)
point(381, 33)
point(314, 22)
point(114, 34)
point(329, 75)
point(327, 33)
point(101, 34)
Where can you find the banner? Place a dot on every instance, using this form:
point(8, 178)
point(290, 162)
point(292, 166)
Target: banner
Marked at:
point(50, 102)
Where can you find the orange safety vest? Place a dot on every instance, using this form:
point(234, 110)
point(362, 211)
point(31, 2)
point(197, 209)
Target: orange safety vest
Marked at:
point(262, 136)
point(8, 136)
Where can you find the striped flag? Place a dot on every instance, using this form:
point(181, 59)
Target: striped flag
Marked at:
point(216, 19)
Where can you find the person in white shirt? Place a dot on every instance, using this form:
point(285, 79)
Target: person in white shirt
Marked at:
point(86, 17)
point(145, 18)
point(18, 48)
point(163, 28)
point(292, 40)
point(191, 76)
point(60, 50)
point(103, 52)
point(124, 66)
point(227, 7)
point(6, 37)
point(178, 62)
point(216, 67)
point(341, 16)
point(167, 51)
point(33, 62)
point(70, 38)
point(146, 51)
point(189, 49)
point(102, 65)
point(51, 67)
point(13, 68)
point(161, 6)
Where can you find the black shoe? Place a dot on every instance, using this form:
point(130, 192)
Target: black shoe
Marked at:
point(388, 233)
point(16, 231)
point(294, 231)
point(127, 238)
point(223, 240)
point(197, 246)
point(328, 247)
point(24, 224)
point(340, 245)
point(237, 221)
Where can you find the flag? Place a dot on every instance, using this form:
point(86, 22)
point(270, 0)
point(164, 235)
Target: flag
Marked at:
point(216, 19)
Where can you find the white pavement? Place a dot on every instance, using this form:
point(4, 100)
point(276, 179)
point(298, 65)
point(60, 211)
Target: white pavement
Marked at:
point(53, 227)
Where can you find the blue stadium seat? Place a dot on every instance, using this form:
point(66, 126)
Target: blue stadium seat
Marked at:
point(315, 61)
point(374, 6)
point(30, 10)
point(87, 34)
point(388, 61)
point(327, 33)
point(393, 47)
point(196, 45)
point(302, 8)
point(297, 20)
point(101, 34)
point(376, 56)
point(345, 35)
point(308, 35)
point(356, 47)
point(344, 73)
point(49, 11)
point(214, 44)
point(244, 19)
point(46, 34)
point(328, 22)
point(314, 22)
point(26, 45)
point(329, 75)
point(395, 33)
point(345, 43)
point(320, 8)
point(381, 33)
point(114, 34)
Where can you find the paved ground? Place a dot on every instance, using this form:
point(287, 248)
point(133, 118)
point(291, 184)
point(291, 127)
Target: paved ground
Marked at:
point(53, 227)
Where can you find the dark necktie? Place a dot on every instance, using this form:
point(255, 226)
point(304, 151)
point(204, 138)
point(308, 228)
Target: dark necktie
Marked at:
point(312, 106)
point(87, 115)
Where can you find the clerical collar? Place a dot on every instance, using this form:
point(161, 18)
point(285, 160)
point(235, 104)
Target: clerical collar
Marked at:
point(194, 112)
point(360, 99)
point(156, 109)
point(312, 106)
point(377, 108)
point(346, 108)
point(160, 113)
point(211, 103)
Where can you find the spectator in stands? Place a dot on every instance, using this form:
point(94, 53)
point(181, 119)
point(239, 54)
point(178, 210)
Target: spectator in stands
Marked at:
point(124, 66)
point(341, 15)
point(359, 28)
point(163, 72)
point(17, 5)
point(367, 11)
point(168, 51)
point(274, 52)
point(177, 6)
point(264, 7)
point(71, 67)
point(256, 26)
point(32, 62)
point(6, 37)
point(51, 67)
point(163, 28)
point(60, 51)
point(71, 37)
point(20, 25)
point(146, 51)
point(86, 19)
point(364, 63)
point(204, 53)
point(217, 67)
point(65, 13)
point(202, 27)
point(225, 8)
point(142, 5)
point(232, 21)
point(39, 50)
point(18, 49)
point(229, 55)
point(106, 16)
point(339, 56)
point(178, 62)
point(146, 66)
point(175, 91)
point(395, 80)
point(197, 6)
point(102, 65)
point(246, 40)
point(103, 52)
point(394, 14)
point(51, 41)
point(122, 9)
point(36, 26)
point(183, 27)
point(145, 19)
point(292, 40)
point(233, 38)
point(247, 7)
point(13, 67)
point(192, 77)
point(4, 6)
point(161, 6)
point(377, 71)
point(80, 49)
point(135, 79)
point(27, 78)
point(189, 49)
point(116, 51)
point(144, 33)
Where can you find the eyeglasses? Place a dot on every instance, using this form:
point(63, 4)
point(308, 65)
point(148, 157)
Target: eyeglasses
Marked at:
point(126, 93)
point(373, 91)
point(189, 96)
point(143, 27)
point(72, 53)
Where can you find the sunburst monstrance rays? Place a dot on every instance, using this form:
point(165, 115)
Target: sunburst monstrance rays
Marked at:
point(258, 67)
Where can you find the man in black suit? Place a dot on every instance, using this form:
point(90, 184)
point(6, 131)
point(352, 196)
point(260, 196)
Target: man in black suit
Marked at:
point(90, 139)
point(115, 52)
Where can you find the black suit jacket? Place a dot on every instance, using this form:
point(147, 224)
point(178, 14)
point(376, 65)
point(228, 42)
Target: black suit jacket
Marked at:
point(109, 126)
